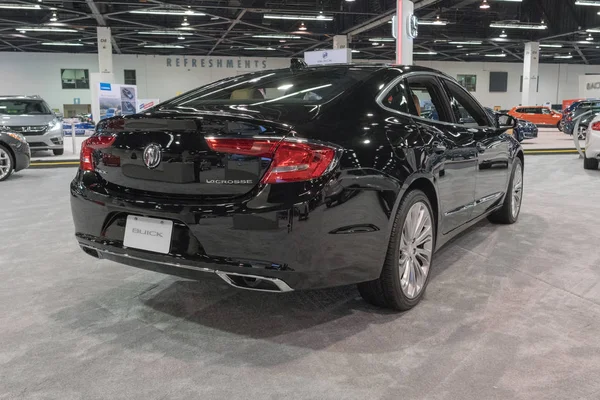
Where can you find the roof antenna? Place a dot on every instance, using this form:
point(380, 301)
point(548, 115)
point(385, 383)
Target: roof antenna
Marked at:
point(297, 64)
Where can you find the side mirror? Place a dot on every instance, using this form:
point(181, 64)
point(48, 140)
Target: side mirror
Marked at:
point(505, 121)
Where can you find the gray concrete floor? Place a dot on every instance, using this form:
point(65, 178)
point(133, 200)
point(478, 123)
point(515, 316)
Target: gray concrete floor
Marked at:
point(511, 312)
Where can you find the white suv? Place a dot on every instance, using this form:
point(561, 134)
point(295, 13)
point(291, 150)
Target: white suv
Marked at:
point(32, 117)
point(592, 144)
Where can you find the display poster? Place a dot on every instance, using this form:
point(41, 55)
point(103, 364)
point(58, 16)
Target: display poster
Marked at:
point(144, 104)
point(117, 100)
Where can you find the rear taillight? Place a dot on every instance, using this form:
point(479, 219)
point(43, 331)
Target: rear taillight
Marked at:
point(86, 157)
point(247, 147)
point(299, 161)
point(596, 126)
point(293, 161)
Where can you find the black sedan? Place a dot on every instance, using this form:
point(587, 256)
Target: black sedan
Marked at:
point(326, 176)
point(15, 154)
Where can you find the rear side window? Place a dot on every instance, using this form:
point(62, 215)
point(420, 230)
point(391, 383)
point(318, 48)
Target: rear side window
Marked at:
point(397, 99)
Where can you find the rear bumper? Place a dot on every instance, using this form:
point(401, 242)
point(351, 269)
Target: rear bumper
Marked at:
point(592, 144)
point(315, 243)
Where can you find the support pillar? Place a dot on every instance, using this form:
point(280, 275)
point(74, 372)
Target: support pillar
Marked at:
point(105, 56)
point(531, 63)
point(340, 42)
point(405, 30)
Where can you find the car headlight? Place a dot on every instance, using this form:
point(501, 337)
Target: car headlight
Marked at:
point(54, 124)
point(17, 136)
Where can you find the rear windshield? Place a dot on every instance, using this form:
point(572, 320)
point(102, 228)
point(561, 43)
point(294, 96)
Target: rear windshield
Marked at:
point(21, 107)
point(311, 86)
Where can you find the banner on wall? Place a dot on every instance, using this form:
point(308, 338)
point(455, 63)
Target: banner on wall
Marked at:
point(117, 99)
point(144, 104)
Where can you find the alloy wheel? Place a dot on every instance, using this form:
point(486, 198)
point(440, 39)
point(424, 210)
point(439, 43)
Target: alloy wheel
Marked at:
point(416, 249)
point(581, 133)
point(517, 194)
point(5, 163)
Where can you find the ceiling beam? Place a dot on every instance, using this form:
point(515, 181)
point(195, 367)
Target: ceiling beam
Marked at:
point(11, 45)
point(585, 60)
point(233, 23)
point(102, 22)
point(459, 5)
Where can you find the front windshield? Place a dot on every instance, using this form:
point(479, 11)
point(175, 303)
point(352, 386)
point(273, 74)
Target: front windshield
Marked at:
point(310, 86)
point(24, 107)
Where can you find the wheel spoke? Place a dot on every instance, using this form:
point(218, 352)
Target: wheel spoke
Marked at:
point(424, 236)
point(416, 248)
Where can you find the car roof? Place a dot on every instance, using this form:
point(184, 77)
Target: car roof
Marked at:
point(16, 96)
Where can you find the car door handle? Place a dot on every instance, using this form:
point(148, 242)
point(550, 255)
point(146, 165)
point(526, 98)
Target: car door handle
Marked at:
point(480, 147)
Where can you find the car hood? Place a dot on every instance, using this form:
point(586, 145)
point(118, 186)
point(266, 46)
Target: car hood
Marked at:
point(23, 120)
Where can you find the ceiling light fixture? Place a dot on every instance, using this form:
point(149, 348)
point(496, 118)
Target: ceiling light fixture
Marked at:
point(550, 45)
point(41, 29)
point(260, 48)
point(320, 17)
point(276, 36)
point(496, 55)
point(173, 33)
point(589, 38)
point(437, 21)
point(302, 27)
point(503, 34)
point(163, 46)
point(381, 39)
point(564, 56)
point(469, 42)
point(54, 18)
point(593, 3)
point(167, 12)
point(355, 51)
point(484, 5)
point(61, 44)
point(181, 37)
point(519, 25)
point(21, 6)
point(425, 53)
point(185, 22)
point(375, 44)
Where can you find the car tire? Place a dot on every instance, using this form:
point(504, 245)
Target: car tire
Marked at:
point(509, 213)
point(58, 152)
point(558, 127)
point(590, 163)
point(409, 257)
point(7, 163)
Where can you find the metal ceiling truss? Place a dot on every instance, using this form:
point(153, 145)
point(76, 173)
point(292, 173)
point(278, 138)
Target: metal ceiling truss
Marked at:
point(229, 28)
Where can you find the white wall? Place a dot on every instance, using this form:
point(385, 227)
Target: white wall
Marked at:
point(557, 81)
point(39, 73)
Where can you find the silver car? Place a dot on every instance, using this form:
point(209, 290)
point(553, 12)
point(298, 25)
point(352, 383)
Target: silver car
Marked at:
point(32, 117)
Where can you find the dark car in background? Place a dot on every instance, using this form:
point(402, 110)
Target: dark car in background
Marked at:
point(15, 154)
point(586, 110)
point(326, 176)
point(522, 131)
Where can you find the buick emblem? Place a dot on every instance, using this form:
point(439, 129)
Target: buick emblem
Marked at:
point(152, 156)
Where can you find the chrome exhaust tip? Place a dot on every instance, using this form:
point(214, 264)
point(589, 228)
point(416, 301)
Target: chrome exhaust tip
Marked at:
point(254, 282)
